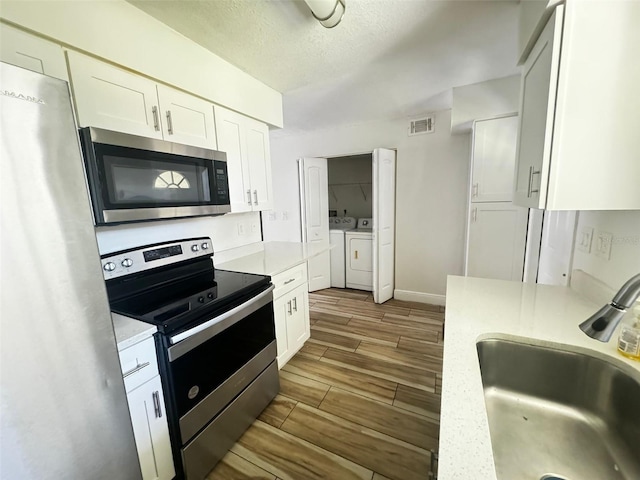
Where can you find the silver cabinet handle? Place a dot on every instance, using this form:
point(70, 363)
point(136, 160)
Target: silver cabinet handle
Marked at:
point(474, 215)
point(530, 190)
point(255, 197)
point(474, 190)
point(135, 369)
point(249, 197)
point(156, 404)
point(156, 119)
point(433, 468)
point(289, 307)
point(289, 281)
point(169, 123)
point(295, 304)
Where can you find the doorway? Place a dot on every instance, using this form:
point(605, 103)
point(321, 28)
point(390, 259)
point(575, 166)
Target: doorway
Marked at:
point(351, 206)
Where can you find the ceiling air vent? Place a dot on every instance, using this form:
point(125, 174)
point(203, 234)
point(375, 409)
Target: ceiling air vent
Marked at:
point(419, 126)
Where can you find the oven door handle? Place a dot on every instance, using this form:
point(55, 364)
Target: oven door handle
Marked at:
point(188, 340)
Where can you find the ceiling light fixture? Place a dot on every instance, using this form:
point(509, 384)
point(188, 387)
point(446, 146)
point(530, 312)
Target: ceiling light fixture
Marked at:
point(327, 12)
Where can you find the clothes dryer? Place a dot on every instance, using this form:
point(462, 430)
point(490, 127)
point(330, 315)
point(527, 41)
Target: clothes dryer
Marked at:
point(359, 251)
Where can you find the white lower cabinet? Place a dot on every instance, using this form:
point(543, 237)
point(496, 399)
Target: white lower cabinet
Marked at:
point(146, 407)
point(291, 311)
point(150, 430)
point(496, 243)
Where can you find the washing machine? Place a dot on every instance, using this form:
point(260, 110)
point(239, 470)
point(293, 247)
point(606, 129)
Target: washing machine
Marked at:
point(359, 251)
point(337, 228)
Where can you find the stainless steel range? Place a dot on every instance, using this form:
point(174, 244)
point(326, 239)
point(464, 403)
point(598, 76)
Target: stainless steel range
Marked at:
point(216, 342)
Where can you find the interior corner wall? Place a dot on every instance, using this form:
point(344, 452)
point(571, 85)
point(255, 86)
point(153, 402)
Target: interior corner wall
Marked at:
point(431, 193)
point(624, 262)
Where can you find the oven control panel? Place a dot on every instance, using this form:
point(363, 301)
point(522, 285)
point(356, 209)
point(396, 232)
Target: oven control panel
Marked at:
point(136, 260)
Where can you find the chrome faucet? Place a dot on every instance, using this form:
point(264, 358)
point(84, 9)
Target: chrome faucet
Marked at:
point(601, 324)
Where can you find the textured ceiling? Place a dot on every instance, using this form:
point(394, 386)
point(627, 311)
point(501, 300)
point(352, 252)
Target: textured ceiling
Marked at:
point(387, 59)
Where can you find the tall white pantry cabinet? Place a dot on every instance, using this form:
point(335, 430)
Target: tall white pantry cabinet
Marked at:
point(496, 229)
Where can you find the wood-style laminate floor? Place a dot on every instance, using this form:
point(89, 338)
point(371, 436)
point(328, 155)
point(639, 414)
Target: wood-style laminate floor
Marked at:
point(361, 399)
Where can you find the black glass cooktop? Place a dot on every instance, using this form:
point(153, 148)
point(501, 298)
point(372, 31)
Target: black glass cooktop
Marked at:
point(182, 296)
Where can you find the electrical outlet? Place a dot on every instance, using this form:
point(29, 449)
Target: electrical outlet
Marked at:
point(585, 236)
point(271, 216)
point(285, 215)
point(603, 245)
point(254, 228)
point(241, 229)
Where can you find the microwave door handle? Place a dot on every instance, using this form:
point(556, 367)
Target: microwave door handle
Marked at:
point(186, 341)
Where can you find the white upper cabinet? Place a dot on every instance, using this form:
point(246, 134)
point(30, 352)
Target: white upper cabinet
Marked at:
point(115, 99)
point(494, 159)
point(33, 53)
point(578, 139)
point(186, 119)
point(246, 143)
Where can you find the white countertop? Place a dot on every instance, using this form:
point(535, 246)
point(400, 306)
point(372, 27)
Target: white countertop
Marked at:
point(479, 309)
point(276, 257)
point(129, 331)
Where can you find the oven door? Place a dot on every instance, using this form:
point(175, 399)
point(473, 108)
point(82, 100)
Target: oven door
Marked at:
point(221, 375)
point(135, 178)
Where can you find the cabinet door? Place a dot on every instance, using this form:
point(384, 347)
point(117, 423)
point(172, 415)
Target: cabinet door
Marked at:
point(186, 119)
point(494, 159)
point(281, 312)
point(496, 242)
point(537, 110)
point(231, 137)
point(298, 322)
point(31, 52)
point(114, 99)
point(259, 157)
point(149, 420)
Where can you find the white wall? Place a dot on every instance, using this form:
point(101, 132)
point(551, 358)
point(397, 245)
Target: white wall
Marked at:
point(431, 193)
point(488, 99)
point(226, 232)
point(625, 248)
point(350, 185)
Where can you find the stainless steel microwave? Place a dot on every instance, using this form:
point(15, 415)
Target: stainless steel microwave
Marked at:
point(133, 179)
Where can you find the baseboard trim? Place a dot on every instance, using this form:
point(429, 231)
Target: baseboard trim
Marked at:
point(409, 296)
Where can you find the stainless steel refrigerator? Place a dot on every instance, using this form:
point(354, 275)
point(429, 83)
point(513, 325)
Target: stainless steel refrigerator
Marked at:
point(63, 407)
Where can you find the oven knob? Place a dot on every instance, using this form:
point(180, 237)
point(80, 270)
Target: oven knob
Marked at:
point(109, 266)
point(195, 248)
point(205, 246)
point(201, 299)
point(210, 295)
point(127, 262)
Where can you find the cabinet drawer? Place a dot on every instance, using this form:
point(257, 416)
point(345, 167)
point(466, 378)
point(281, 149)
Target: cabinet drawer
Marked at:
point(138, 363)
point(288, 280)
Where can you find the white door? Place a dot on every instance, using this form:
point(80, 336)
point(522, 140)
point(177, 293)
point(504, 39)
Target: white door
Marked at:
point(494, 159)
point(497, 235)
point(31, 52)
point(114, 99)
point(230, 133)
point(314, 210)
point(384, 221)
point(259, 157)
point(186, 119)
point(556, 248)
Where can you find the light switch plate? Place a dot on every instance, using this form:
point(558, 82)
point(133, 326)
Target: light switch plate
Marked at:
point(584, 239)
point(603, 245)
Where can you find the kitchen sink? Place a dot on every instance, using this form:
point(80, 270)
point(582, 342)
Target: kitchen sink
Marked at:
point(560, 413)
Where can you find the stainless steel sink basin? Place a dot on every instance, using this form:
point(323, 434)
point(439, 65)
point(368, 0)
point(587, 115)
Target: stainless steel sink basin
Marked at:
point(560, 414)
